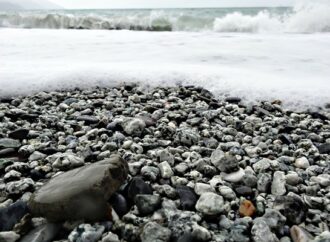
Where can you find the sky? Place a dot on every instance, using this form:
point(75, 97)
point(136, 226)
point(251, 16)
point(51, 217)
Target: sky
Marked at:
point(169, 3)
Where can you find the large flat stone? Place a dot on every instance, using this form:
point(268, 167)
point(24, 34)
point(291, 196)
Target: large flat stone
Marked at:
point(81, 193)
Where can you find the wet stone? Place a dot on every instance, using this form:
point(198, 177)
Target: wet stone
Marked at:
point(81, 193)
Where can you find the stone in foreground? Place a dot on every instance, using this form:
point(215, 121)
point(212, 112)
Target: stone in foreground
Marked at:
point(80, 194)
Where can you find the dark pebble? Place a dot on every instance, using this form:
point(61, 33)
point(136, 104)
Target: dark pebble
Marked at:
point(119, 204)
point(137, 186)
point(19, 134)
point(188, 197)
point(244, 191)
point(12, 214)
point(233, 100)
point(7, 152)
point(324, 149)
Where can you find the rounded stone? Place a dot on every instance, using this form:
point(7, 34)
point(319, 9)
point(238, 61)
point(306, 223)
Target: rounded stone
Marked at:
point(302, 163)
point(210, 203)
point(81, 193)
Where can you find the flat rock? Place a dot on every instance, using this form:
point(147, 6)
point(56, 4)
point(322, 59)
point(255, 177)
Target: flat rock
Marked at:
point(9, 143)
point(81, 193)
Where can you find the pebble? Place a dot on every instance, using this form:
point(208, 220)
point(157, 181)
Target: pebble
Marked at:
point(323, 180)
point(153, 232)
point(200, 233)
point(137, 186)
point(65, 161)
point(210, 203)
point(224, 162)
point(278, 184)
point(86, 233)
point(233, 177)
point(264, 182)
point(274, 219)
point(110, 237)
point(201, 188)
point(19, 134)
point(147, 204)
point(262, 233)
point(247, 208)
point(9, 143)
point(302, 163)
point(292, 207)
point(299, 234)
point(119, 204)
point(19, 187)
point(134, 126)
point(165, 170)
point(227, 192)
point(188, 198)
point(12, 214)
point(261, 165)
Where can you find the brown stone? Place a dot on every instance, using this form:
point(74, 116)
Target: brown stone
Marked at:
point(247, 208)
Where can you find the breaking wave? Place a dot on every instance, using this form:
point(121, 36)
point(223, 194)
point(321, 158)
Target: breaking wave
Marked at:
point(303, 18)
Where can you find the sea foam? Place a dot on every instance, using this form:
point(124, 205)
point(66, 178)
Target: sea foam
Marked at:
point(292, 67)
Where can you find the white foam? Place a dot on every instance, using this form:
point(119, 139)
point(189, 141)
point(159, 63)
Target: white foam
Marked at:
point(294, 68)
point(307, 17)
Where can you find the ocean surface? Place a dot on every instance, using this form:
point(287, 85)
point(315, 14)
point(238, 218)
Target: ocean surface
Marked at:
point(253, 53)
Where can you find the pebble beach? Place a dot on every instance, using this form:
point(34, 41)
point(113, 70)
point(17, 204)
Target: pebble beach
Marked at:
point(160, 165)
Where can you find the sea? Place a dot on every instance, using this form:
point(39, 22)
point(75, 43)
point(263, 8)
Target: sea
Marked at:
point(252, 53)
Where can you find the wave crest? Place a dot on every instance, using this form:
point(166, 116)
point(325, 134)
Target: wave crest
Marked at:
point(303, 18)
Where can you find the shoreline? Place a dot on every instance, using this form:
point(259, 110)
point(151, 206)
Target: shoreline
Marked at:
point(200, 169)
